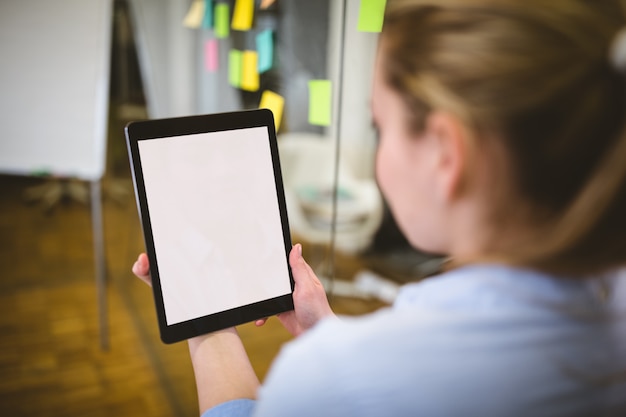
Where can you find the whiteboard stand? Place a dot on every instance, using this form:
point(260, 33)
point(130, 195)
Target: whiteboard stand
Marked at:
point(100, 262)
point(50, 194)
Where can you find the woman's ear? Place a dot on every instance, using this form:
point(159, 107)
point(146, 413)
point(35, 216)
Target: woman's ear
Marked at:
point(454, 152)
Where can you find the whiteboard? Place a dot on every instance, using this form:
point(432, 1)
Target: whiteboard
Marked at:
point(54, 84)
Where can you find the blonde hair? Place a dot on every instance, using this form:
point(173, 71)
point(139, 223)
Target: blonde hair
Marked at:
point(537, 76)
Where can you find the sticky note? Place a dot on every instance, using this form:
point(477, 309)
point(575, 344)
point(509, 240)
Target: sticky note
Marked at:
point(207, 20)
point(234, 67)
point(274, 102)
point(250, 71)
point(211, 60)
point(266, 3)
point(221, 22)
point(265, 49)
point(371, 15)
point(320, 102)
point(243, 15)
point(195, 15)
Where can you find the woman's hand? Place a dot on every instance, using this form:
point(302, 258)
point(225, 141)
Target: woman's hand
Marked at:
point(221, 366)
point(309, 297)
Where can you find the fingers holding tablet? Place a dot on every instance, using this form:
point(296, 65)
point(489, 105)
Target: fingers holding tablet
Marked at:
point(309, 296)
point(310, 301)
point(141, 269)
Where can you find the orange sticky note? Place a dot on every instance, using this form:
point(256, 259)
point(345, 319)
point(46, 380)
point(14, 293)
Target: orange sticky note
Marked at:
point(274, 102)
point(250, 71)
point(243, 15)
point(266, 3)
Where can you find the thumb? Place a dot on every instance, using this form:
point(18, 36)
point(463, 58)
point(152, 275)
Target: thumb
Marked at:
point(297, 263)
point(302, 273)
point(296, 252)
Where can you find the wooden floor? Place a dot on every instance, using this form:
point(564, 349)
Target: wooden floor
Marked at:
point(51, 363)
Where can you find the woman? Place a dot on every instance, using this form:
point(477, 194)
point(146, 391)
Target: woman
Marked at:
point(502, 144)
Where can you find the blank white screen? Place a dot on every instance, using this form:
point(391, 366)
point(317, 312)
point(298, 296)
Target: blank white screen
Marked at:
point(215, 221)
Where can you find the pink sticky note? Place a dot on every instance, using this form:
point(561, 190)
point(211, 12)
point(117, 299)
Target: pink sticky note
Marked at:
point(211, 62)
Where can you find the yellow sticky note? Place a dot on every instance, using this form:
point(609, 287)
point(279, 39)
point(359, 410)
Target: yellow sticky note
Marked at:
point(250, 71)
point(195, 15)
point(274, 102)
point(320, 102)
point(243, 15)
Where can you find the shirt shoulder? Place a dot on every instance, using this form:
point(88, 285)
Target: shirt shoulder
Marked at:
point(472, 333)
point(500, 288)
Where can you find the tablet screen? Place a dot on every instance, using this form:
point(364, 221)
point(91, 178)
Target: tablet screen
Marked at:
point(214, 226)
point(217, 233)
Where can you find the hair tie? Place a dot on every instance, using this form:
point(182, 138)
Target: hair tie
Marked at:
point(617, 52)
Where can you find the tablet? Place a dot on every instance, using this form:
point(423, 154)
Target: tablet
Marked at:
point(212, 207)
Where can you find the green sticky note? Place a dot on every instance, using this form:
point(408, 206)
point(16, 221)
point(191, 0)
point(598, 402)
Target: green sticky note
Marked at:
point(371, 15)
point(235, 61)
point(221, 20)
point(320, 102)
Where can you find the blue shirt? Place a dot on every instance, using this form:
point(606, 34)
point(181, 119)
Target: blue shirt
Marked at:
point(478, 341)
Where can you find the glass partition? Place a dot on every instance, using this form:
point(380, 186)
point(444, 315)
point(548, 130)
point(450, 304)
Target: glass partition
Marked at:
point(312, 61)
point(312, 65)
point(189, 64)
point(365, 229)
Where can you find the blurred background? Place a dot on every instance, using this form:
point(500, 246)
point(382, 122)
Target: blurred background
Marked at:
point(78, 332)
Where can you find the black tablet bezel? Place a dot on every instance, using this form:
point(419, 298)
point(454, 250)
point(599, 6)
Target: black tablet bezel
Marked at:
point(161, 128)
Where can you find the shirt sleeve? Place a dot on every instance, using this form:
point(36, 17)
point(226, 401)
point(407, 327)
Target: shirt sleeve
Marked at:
point(236, 408)
point(305, 378)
